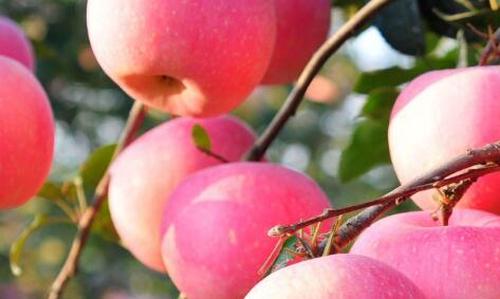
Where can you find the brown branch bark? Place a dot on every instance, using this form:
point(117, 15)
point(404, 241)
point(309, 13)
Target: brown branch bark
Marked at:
point(310, 71)
point(69, 269)
point(487, 158)
point(492, 48)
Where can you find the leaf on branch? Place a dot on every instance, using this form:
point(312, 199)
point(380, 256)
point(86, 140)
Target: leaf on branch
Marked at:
point(103, 225)
point(51, 191)
point(369, 145)
point(201, 138)
point(400, 24)
point(94, 168)
point(17, 247)
point(284, 256)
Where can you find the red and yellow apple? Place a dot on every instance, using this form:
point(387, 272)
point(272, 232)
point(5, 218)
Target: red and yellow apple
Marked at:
point(216, 221)
point(461, 260)
point(340, 276)
point(189, 58)
point(14, 44)
point(26, 134)
point(144, 175)
point(441, 115)
point(302, 26)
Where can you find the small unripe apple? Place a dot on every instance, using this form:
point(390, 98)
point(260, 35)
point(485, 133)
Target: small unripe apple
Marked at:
point(441, 115)
point(189, 58)
point(147, 171)
point(216, 224)
point(302, 26)
point(14, 44)
point(339, 276)
point(26, 134)
point(461, 260)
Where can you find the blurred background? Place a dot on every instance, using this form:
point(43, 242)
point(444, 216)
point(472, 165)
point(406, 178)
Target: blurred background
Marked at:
point(91, 111)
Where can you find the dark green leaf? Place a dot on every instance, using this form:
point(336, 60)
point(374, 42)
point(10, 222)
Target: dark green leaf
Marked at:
point(368, 148)
point(396, 76)
point(51, 191)
point(379, 103)
point(401, 26)
point(285, 255)
point(201, 138)
point(95, 167)
point(103, 225)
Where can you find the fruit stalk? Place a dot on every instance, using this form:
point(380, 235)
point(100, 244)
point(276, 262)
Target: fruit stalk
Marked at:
point(69, 269)
point(310, 71)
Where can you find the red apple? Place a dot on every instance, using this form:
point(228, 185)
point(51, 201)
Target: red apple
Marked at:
point(441, 115)
point(340, 276)
point(14, 44)
point(302, 26)
point(26, 134)
point(216, 224)
point(461, 260)
point(189, 58)
point(147, 171)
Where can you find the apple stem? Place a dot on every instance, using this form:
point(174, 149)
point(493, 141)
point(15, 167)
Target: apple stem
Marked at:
point(306, 77)
point(69, 269)
point(471, 165)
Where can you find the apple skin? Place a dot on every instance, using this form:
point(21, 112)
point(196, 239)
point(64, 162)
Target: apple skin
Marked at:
point(14, 44)
point(147, 171)
point(302, 26)
point(441, 115)
point(26, 134)
point(339, 276)
point(453, 262)
point(189, 58)
point(216, 224)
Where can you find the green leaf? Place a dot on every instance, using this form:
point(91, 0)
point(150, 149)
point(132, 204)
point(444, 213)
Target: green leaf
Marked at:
point(51, 191)
point(285, 255)
point(103, 225)
point(201, 138)
point(368, 148)
point(401, 26)
point(17, 247)
point(395, 76)
point(379, 103)
point(95, 167)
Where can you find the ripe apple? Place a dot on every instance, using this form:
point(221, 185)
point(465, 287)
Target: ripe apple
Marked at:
point(441, 115)
point(26, 134)
point(461, 260)
point(339, 276)
point(216, 224)
point(145, 174)
point(14, 44)
point(302, 26)
point(189, 58)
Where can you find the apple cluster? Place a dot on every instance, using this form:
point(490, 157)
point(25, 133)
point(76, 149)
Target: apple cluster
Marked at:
point(202, 217)
point(26, 120)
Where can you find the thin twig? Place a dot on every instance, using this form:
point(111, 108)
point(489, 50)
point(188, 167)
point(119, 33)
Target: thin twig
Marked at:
point(481, 156)
point(486, 157)
point(310, 71)
point(134, 122)
point(492, 49)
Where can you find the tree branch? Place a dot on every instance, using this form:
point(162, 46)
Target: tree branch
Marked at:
point(487, 160)
point(492, 48)
point(311, 70)
point(69, 269)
